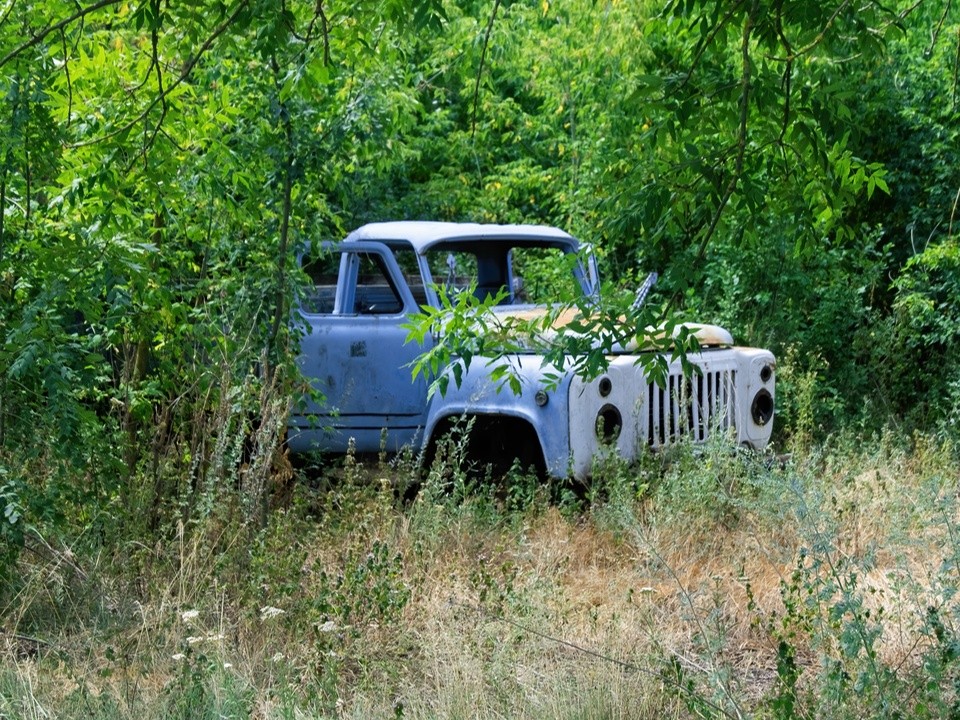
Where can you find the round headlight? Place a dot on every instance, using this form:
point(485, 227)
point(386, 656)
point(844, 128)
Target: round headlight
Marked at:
point(766, 372)
point(609, 422)
point(605, 386)
point(541, 398)
point(762, 407)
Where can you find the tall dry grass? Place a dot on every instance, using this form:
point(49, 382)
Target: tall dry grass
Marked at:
point(704, 583)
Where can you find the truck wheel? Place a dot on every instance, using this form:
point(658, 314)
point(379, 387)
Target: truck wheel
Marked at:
point(485, 443)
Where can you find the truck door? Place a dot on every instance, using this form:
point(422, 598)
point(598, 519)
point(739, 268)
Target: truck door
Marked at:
point(355, 353)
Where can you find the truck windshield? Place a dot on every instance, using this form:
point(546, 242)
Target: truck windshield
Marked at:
point(527, 274)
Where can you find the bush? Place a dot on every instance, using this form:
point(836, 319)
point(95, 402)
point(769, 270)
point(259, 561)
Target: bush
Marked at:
point(921, 364)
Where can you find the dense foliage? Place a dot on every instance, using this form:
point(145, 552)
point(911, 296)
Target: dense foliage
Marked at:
point(791, 168)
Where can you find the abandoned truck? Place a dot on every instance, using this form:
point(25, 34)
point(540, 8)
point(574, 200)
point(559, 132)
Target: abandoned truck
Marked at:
point(356, 352)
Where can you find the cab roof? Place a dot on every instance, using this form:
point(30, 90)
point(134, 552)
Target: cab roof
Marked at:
point(423, 235)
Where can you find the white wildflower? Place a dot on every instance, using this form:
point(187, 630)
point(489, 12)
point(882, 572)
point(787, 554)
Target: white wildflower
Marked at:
point(277, 657)
point(227, 666)
point(328, 626)
point(189, 615)
point(270, 612)
point(193, 640)
point(178, 657)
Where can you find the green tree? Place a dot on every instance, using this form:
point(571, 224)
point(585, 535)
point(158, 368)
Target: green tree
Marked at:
point(162, 165)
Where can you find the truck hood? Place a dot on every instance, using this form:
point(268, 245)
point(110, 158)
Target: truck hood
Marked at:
point(707, 335)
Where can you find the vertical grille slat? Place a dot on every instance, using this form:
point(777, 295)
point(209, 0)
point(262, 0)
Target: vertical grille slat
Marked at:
point(716, 398)
point(706, 401)
point(700, 385)
point(676, 391)
point(690, 406)
point(656, 416)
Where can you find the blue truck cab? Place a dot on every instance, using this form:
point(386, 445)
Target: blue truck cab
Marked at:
point(356, 354)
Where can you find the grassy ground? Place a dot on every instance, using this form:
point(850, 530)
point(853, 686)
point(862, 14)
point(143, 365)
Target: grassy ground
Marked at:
point(699, 584)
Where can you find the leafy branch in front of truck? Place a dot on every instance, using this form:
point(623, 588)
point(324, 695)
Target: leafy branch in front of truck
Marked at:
point(579, 337)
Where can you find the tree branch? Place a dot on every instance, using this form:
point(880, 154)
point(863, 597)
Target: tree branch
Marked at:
point(38, 38)
point(745, 80)
point(787, 74)
point(705, 43)
point(956, 71)
point(483, 56)
point(818, 39)
point(318, 14)
point(66, 72)
point(155, 63)
point(280, 308)
point(184, 74)
point(6, 15)
point(936, 31)
point(325, 29)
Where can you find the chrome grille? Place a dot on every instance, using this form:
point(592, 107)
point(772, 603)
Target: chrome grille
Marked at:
point(693, 406)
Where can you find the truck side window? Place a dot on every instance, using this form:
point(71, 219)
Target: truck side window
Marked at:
point(407, 260)
point(376, 293)
point(544, 275)
point(322, 269)
point(453, 270)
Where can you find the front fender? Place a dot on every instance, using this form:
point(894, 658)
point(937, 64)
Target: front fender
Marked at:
point(479, 394)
